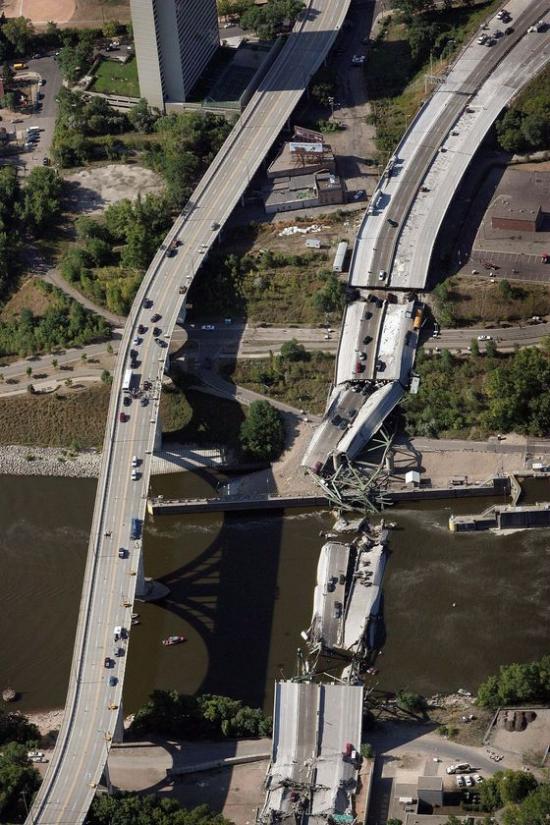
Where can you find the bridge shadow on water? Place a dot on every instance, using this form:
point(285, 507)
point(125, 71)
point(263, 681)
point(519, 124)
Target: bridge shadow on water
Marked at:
point(227, 595)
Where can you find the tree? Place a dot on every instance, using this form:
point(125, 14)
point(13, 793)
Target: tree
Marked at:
point(506, 787)
point(135, 809)
point(474, 347)
point(110, 28)
point(106, 377)
point(293, 351)
point(41, 199)
point(331, 297)
point(490, 349)
point(18, 780)
point(262, 431)
point(411, 702)
point(29, 371)
point(505, 289)
point(533, 810)
point(142, 117)
point(18, 31)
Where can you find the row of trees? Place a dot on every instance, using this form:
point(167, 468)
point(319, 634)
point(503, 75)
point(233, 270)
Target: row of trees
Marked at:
point(266, 21)
point(517, 684)
point(64, 323)
point(134, 809)
point(494, 393)
point(525, 127)
point(199, 717)
point(26, 212)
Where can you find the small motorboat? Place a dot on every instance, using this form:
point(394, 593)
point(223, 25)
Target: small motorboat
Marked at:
point(136, 621)
point(173, 640)
point(135, 615)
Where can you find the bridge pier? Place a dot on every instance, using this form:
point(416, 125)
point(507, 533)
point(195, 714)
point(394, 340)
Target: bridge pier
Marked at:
point(118, 733)
point(148, 590)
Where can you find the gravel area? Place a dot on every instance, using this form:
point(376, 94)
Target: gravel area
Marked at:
point(92, 190)
point(48, 461)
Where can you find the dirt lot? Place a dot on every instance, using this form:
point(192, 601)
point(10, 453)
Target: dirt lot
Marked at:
point(93, 189)
point(529, 744)
point(80, 13)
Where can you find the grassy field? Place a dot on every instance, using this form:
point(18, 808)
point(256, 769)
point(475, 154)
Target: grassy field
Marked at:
point(60, 420)
point(193, 417)
point(396, 86)
point(258, 275)
point(114, 78)
point(472, 301)
point(63, 419)
point(304, 384)
point(28, 296)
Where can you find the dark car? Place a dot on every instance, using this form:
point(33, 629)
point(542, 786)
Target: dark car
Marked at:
point(509, 30)
point(144, 401)
point(123, 417)
point(112, 681)
point(127, 400)
point(108, 662)
point(122, 552)
point(156, 332)
point(155, 318)
point(119, 651)
point(147, 303)
point(392, 222)
point(146, 385)
point(141, 329)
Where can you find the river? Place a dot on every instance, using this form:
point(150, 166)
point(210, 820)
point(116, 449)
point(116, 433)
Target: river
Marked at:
point(241, 591)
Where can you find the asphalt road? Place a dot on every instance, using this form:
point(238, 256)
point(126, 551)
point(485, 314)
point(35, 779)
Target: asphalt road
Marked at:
point(428, 147)
point(45, 116)
point(92, 706)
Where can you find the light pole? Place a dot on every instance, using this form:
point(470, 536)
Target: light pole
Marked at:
point(331, 104)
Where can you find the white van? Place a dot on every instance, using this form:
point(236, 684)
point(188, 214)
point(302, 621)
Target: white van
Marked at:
point(117, 633)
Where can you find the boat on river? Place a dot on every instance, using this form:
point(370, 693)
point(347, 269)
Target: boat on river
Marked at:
point(173, 640)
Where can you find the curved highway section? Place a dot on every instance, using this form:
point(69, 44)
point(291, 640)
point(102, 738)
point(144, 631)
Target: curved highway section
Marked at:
point(398, 232)
point(114, 557)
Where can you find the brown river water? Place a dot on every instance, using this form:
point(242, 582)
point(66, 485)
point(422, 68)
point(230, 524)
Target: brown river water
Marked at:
point(241, 591)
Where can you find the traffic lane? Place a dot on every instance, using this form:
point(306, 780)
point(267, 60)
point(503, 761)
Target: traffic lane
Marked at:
point(387, 244)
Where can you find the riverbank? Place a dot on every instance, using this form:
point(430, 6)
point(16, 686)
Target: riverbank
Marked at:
point(48, 461)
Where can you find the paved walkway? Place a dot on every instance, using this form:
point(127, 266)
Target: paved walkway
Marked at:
point(215, 385)
point(54, 277)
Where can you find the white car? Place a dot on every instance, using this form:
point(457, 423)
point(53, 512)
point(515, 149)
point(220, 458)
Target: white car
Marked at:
point(208, 326)
point(478, 778)
point(382, 275)
point(484, 337)
point(135, 475)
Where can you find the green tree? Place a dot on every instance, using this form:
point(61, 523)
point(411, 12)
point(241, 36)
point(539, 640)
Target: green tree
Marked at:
point(41, 199)
point(411, 702)
point(262, 431)
point(293, 351)
point(533, 810)
point(505, 289)
point(142, 117)
point(106, 377)
point(135, 809)
point(110, 28)
point(331, 297)
point(18, 781)
point(18, 31)
point(490, 349)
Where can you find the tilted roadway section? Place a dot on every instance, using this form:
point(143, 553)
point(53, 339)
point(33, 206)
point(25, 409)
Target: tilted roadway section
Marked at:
point(481, 82)
point(92, 705)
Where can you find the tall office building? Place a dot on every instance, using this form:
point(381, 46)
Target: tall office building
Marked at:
point(174, 40)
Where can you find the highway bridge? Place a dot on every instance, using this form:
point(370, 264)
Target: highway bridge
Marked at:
point(397, 235)
point(114, 564)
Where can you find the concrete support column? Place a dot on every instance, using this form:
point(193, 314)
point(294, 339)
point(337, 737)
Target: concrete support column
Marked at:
point(141, 585)
point(157, 444)
point(118, 733)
